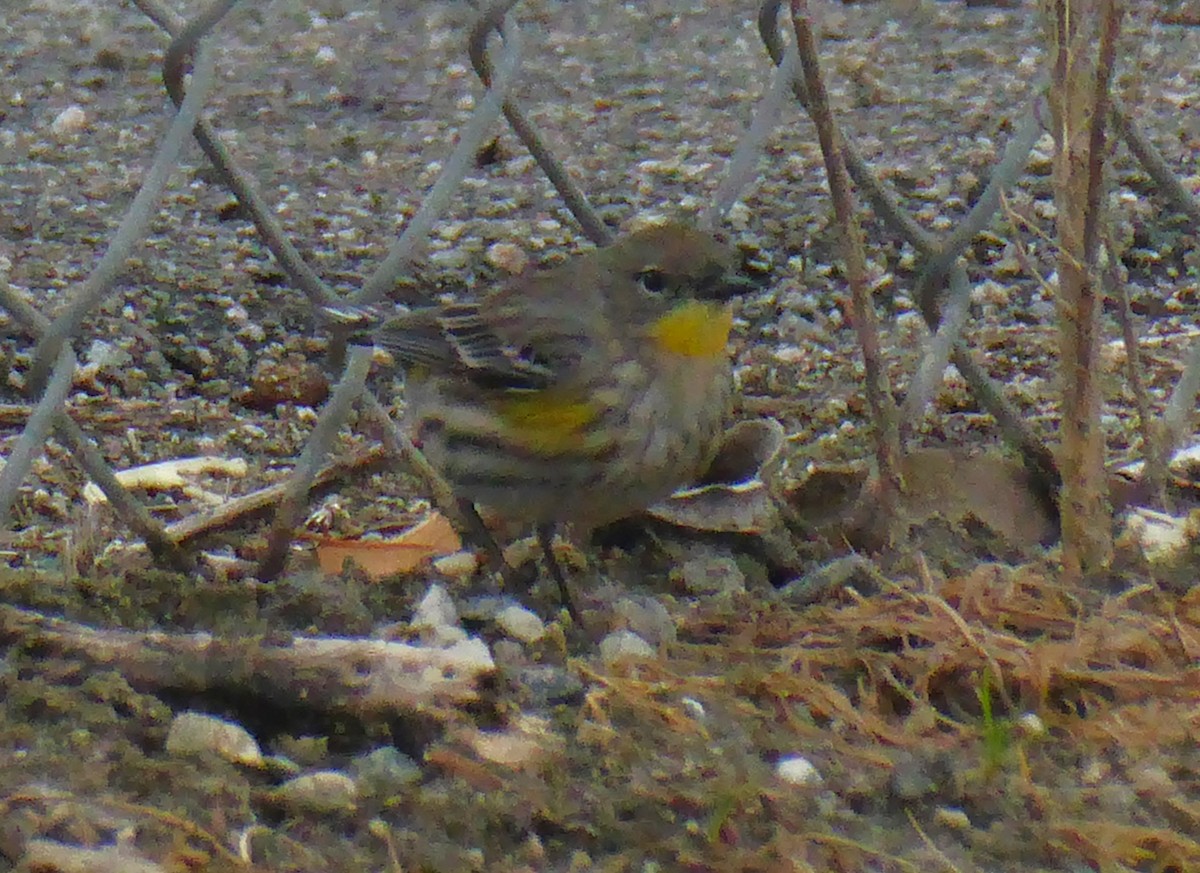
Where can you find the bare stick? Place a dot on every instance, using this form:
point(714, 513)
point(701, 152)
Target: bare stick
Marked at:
point(359, 676)
point(883, 410)
point(1156, 469)
point(241, 508)
point(1079, 104)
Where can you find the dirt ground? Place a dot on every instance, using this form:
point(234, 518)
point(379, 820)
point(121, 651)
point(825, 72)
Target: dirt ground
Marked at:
point(947, 703)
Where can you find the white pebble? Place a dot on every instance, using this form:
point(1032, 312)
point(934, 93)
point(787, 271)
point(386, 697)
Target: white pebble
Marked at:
point(70, 121)
point(622, 645)
point(797, 770)
point(521, 624)
point(1031, 723)
point(458, 565)
point(436, 609)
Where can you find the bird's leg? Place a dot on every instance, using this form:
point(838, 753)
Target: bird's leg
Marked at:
point(545, 535)
point(478, 533)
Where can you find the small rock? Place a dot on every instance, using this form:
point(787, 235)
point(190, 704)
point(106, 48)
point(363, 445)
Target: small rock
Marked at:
point(547, 685)
point(511, 748)
point(711, 574)
point(797, 770)
point(1160, 536)
point(69, 122)
point(1032, 725)
point(325, 791)
point(384, 773)
point(293, 380)
point(436, 609)
point(51, 856)
point(449, 259)
point(623, 645)
point(452, 231)
point(459, 565)
point(194, 733)
point(467, 657)
point(521, 624)
point(647, 618)
point(952, 817)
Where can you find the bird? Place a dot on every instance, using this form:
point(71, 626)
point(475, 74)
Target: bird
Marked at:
point(580, 394)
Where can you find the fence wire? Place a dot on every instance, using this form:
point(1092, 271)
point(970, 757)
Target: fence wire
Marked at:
point(751, 137)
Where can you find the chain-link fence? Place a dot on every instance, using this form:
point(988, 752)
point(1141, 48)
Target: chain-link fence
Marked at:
point(398, 178)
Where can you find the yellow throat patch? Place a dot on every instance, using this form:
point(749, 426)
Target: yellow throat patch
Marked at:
point(695, 329)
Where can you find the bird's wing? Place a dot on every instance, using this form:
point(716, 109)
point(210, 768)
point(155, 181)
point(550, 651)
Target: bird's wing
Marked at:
point(457, 338)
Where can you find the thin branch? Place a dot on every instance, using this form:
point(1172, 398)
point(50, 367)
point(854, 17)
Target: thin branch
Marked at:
point(879, 399)
point(326, 674)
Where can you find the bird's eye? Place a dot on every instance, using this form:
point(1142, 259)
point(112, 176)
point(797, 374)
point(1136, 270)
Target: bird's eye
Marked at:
point(653, 280)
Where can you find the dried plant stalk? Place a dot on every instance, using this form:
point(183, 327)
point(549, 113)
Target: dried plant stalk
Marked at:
point(1079, 102)
point(879, 399)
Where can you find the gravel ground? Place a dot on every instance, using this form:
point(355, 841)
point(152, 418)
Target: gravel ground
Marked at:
point(868, 733)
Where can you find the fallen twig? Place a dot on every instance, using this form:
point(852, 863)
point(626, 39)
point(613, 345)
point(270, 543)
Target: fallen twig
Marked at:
point(360, 676)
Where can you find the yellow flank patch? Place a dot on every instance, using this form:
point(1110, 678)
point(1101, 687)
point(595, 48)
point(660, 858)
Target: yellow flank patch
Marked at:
point(694, 329)
point(548, 421)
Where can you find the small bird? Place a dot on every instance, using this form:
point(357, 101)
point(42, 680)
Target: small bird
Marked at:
point(580, 394)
